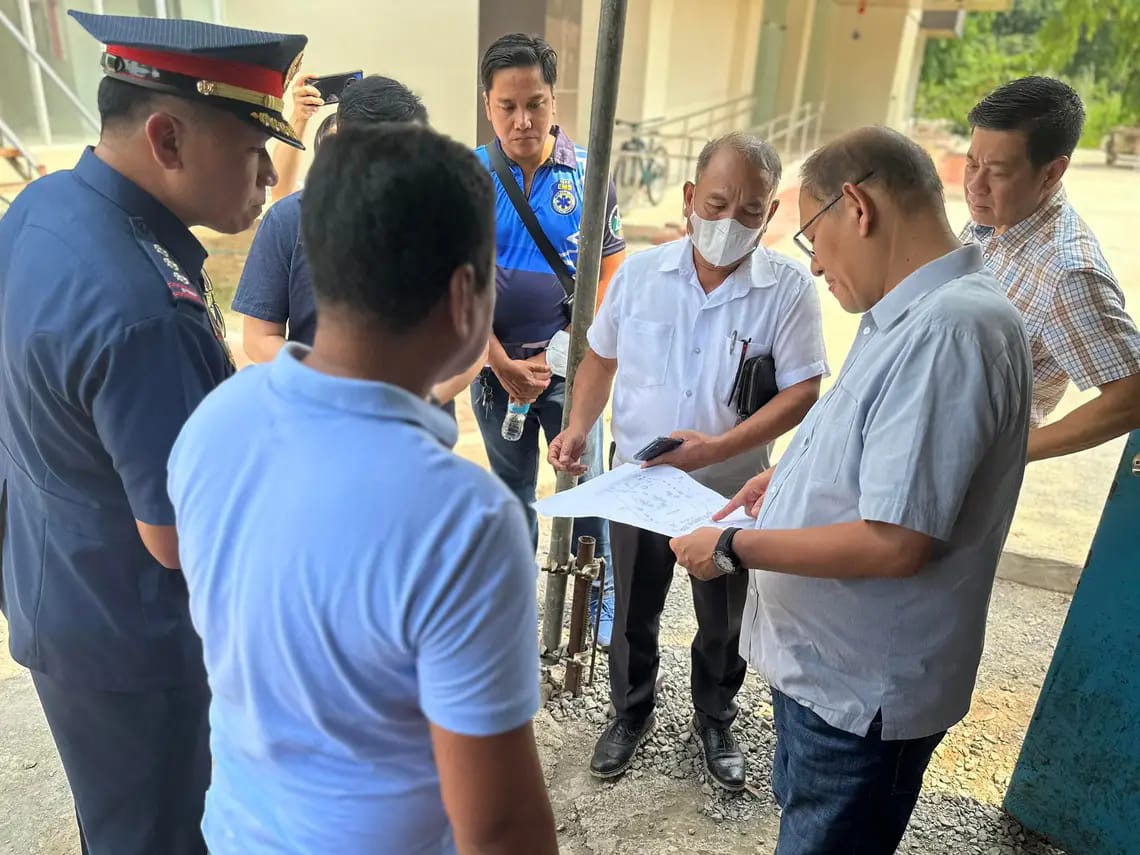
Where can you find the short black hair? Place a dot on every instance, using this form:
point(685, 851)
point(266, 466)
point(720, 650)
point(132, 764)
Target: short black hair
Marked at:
point(519, 50)
point(325, 128)
point(121, 103)
point(389, 213)
point(877, 155)
point(759, 154)
point(1047, 111)
point(376, 99)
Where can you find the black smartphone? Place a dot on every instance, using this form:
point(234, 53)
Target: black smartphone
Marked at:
point(332, 86)
point(658, 447)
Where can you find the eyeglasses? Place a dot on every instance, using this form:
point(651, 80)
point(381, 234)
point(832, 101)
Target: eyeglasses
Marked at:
point(801, 239)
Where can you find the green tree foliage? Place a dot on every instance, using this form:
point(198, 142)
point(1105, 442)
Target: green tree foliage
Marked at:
point(1094, 45)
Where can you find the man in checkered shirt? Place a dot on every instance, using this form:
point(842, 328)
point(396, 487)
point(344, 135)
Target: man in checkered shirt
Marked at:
point(1050, 263)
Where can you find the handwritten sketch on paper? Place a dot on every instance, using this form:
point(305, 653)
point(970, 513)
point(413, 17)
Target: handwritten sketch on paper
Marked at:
point(661, 499)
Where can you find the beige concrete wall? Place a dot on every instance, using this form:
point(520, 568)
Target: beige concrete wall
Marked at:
point(789, 62)
point(430, 45)
point(742, 67)
point(819, 53)
point(701, 68)
point(864, 82)
point(908, 64)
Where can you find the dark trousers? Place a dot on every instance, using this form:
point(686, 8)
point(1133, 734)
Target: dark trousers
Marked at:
point(516, 463)
point(842, 794)
point(138, 764)
point(643, 571)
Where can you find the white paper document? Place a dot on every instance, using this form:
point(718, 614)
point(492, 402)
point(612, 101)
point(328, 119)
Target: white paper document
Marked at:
point(662, 499)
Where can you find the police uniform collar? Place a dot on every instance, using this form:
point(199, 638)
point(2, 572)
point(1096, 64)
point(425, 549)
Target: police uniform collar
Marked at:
point(168, 230)
point(290, 376)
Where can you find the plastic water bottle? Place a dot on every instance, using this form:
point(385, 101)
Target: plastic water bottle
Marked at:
point(515, 421)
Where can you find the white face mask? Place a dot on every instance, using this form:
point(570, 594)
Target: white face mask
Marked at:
point(723, 242)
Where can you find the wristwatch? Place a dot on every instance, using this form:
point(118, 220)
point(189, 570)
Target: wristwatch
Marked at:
point(724, 557)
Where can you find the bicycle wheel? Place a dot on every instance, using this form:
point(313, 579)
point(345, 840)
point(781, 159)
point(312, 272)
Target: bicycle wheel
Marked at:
point(657, 175)
point(626, 177)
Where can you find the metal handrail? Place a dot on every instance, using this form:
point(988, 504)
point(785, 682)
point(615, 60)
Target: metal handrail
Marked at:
point(51, 72)
point(684, 136)
point(8, 135)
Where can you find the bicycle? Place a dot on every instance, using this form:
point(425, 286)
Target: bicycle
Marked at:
point(643, 162)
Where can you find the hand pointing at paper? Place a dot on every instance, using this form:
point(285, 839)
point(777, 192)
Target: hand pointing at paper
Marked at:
point(750, 497)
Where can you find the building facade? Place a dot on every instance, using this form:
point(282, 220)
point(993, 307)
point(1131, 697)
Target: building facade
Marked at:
point(726, 63)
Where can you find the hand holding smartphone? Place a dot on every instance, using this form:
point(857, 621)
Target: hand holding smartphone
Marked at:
point(659, 446)
point(332, 86)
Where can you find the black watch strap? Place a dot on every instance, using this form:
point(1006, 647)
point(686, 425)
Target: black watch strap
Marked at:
point(724, 546)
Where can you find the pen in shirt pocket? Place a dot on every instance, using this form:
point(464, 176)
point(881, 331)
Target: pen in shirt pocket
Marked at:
point(739, 370)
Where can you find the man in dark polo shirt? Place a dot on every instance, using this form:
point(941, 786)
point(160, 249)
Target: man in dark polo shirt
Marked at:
point(275, 293)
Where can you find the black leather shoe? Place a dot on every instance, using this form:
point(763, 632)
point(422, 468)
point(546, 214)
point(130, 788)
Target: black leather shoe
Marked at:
point(723, 758)
point(617, 746)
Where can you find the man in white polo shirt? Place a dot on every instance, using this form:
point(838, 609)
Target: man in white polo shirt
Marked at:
point(676, 326)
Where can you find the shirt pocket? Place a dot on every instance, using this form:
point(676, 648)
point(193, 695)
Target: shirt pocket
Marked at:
point(643, 351)
point(729, 365)
point(830, 439)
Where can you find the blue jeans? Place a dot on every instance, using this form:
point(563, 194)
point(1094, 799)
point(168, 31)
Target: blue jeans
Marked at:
point(842, 794)
point(516, 463)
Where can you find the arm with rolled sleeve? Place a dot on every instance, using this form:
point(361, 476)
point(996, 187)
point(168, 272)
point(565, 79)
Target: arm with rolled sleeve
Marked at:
point(1097, 344)
point(594, 380)
point(613, 256)
point(146, 383)
point(477, 662)
point(263, 290)
point(934, 421)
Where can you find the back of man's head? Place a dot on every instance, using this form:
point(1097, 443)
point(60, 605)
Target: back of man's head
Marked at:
point(519, 50)
point(122, 105)
point(389, 214)
point(376, 99)
point(1048, 112)
point(875, 156)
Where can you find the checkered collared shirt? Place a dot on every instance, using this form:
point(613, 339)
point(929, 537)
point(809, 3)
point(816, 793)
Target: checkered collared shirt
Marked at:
point(1057, 278)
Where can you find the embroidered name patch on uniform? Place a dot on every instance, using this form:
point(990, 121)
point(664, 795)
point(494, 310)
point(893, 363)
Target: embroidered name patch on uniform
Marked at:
point(564, 201)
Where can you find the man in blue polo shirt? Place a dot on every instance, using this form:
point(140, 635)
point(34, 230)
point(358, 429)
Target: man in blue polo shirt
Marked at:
point(365, 597)
point(518, 74)
point(275, 289)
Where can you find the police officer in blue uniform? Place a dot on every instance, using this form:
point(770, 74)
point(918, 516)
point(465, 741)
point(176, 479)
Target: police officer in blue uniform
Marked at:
point(109, 337)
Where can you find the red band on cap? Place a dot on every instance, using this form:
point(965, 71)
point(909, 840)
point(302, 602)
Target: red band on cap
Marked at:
point(255, 77)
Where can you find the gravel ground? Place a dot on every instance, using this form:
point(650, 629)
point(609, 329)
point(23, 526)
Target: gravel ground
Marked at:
point(664, 804)
point(958, 813)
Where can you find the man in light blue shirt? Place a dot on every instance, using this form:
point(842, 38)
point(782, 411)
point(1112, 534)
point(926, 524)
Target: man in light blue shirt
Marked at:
point(878, 536)
point(365, 597)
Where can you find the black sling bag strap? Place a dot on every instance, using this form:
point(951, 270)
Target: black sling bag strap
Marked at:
point(522, 207)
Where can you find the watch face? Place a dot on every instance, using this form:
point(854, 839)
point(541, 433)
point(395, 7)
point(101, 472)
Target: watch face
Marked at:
point(723, 563)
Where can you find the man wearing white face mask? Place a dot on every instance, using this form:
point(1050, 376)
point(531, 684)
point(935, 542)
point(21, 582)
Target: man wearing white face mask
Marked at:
point(718, 342)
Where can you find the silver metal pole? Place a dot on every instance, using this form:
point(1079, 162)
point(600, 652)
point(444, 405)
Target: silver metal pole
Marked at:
point(39, 100)
point(160, 9)
point(33, 54)
point(97, 7)
point(217, 11)
point(607, 68)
